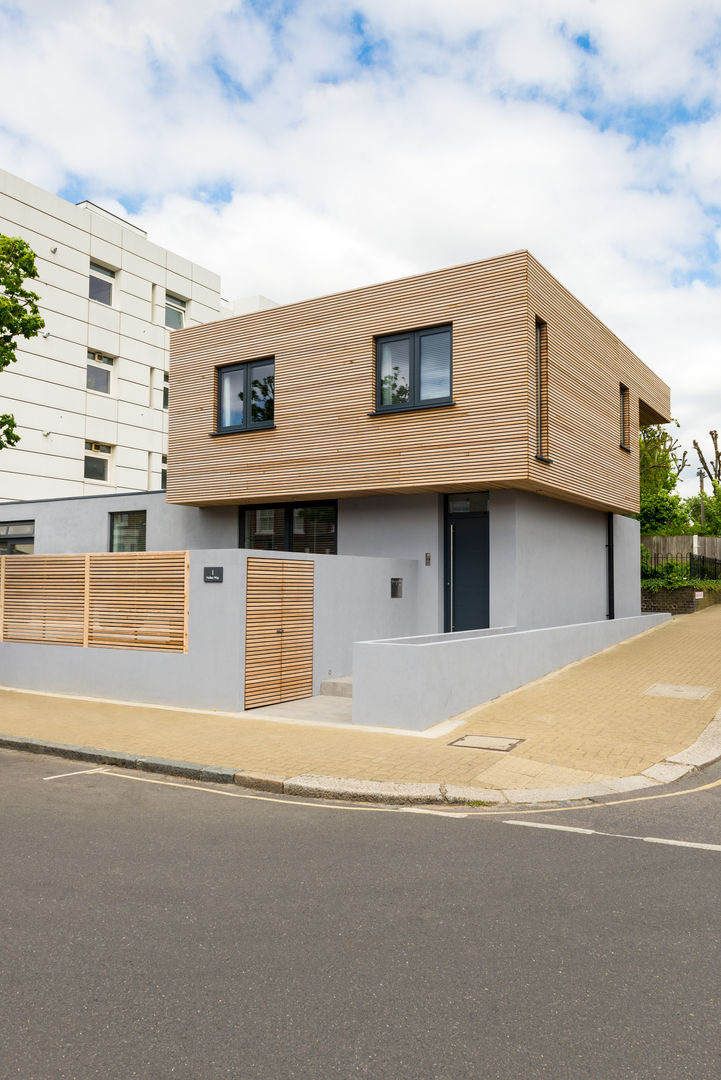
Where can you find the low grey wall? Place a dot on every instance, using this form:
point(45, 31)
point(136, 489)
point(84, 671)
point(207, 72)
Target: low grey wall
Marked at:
point(417, 682)
point(352, 601)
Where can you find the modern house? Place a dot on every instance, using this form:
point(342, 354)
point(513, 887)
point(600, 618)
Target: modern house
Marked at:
point(90, 394)
point(358, 475)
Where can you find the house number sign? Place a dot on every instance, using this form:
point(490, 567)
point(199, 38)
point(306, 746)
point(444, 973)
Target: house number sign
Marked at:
point(212, 574)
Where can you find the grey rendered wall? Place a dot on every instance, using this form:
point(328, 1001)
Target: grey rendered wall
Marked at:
point(83, 524)
point(208, 676)
point(407, 684)
point(627, 566)
point(353, 601)
point(402, 527)
point(547, 561)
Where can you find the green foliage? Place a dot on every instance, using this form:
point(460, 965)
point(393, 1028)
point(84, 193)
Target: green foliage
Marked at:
point(19, 316)
point(712, 513)
point(663, 513)
point(672, 574)
point(661, 461)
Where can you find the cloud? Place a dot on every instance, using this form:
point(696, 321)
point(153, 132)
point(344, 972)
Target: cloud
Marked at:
point(308, 147)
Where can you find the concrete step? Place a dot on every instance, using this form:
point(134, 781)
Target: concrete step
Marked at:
point(341, 686)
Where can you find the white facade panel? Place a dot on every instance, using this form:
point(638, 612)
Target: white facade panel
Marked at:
point(46, 389)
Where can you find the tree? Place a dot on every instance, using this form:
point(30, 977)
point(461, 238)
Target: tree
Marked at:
point(19, 315)
point(706, 515)
point(661, 462)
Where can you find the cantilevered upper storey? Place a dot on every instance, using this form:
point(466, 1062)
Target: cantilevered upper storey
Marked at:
point(488, 375)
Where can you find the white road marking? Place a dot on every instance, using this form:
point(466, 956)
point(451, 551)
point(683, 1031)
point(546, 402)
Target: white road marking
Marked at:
point(617, 836)
point(293, 801)
point(78, 772)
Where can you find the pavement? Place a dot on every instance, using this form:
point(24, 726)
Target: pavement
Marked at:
point(640, 714)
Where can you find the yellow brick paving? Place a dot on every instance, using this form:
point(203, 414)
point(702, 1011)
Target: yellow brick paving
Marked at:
point(583, 724)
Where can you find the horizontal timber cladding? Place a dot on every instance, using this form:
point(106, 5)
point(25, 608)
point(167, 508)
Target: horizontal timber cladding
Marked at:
point(586, 365)
point(278, 631)
point(136, 600)
point(326, 444)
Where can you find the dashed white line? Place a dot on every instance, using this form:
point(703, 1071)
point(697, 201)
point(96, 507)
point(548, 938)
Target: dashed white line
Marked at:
point(78, 772)
point(617, 836)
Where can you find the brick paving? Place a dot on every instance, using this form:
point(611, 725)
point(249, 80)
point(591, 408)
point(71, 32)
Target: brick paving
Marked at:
point(584, 724)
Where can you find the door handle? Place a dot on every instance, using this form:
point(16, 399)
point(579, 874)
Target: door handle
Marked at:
point(280, 631)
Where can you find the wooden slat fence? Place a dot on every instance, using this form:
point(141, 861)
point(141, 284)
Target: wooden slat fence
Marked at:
point(679, 546)
point(128, 600)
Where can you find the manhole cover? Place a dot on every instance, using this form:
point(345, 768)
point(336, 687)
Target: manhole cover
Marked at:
point(694, 693)
point(487, 742)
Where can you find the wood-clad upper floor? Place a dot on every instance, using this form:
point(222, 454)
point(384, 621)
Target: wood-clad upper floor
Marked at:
point(326, 433)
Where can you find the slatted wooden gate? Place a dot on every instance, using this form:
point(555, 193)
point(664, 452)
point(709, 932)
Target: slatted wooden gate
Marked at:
point(278, 631)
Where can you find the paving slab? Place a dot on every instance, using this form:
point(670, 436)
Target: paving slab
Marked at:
point(587, 730)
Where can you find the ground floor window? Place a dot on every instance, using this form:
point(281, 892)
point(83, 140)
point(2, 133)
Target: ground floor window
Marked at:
point(127, 531)
point(17, 537)
point(307, 527)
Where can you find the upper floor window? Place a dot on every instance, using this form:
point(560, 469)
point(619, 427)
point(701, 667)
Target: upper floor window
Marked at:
point(166, 389)
point(174, 312)
point(101, 283)
point(17, 537)
point(541, 390)
point(97, 460)
point(625, 418)
point(413, 370)
point(97, 375)
point(246, 394)
point(127, 530)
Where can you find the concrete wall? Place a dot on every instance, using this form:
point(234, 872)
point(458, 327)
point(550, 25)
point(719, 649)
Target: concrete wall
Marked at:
point(401, 527)
point(627, 566)
point(548, 562)
point(79, 525)
point(352, 601)
point(46, 389)
point(417, 682)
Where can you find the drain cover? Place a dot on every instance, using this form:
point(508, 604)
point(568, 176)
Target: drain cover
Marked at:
point(487, 742)
point(662, 689)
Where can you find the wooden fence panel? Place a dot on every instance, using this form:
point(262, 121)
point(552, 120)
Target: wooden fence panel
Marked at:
point(128, 600)
point(44, 598)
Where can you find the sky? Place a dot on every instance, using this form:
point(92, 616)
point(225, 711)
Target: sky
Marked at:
point(300, 148)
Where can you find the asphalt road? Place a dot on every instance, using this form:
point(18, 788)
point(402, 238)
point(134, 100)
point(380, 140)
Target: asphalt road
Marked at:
point(153, 930)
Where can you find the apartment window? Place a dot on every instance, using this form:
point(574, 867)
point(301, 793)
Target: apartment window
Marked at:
point(101, 283)
point(98, 372)
point(246, 395)
point(625, 417)
point(127, 531)
point(541, 390)
point(174, 312)
point(309, 528)
point(97, 460)
point(166, 388)
point(164, 472)
point(413, 370)
point(17, 537)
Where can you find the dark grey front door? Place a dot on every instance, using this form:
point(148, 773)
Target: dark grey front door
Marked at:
point(466, 561)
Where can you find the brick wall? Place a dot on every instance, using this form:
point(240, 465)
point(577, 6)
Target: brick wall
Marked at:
point(677, 601)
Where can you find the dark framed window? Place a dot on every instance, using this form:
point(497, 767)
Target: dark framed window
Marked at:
point(307, 527)
point(127, 530)
point(246, 395)
point(164, 472)
point(17, 537)
point(101, 283)
point(174, 312)
point(166, 389)
point(414, 369)
point(541, 390)
point(625, 417)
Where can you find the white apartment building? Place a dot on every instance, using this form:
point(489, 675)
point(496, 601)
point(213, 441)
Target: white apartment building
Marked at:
point(89, 394)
